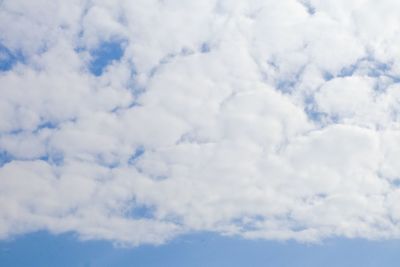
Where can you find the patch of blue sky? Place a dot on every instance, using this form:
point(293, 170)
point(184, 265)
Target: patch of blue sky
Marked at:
point(328, 76)
point(56, 159)
point(133, 104)
point(108, 161)
point(140, 211)
point(205, 48)
point(184, 52)
point(136, 155)
point(52, 158)
point(348, 71)
point(154, 177)
point(111, 161)
point(307, 5)
point(395, 183)
point(379, 69)
point(201, 249)
point(287, 84)
point(5, 158)
point(248, 223)
point(104, 55)
point(312, 111)
point(9, 58)
point(365, 66)
point(315, 115)
point(46, 125)
point(136, 88)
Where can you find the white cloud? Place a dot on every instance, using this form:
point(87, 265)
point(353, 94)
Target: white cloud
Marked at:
point(265, 119)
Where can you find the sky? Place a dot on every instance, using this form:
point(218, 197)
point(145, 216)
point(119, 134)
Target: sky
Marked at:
point(141, 129)
point(197, 250)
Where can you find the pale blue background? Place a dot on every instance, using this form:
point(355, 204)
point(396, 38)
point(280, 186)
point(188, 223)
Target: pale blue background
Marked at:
point(205, 249)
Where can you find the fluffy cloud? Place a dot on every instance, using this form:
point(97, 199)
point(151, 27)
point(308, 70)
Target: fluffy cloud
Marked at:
point(263, 119)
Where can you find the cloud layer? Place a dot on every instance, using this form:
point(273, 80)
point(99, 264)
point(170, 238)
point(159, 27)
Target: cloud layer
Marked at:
point(137, 121)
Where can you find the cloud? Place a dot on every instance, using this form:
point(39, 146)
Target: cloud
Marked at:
point(139, 121)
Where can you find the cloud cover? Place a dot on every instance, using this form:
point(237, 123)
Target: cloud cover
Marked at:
point(263, 119)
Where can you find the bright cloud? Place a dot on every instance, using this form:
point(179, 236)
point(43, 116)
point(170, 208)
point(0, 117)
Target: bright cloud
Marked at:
point(137, 121)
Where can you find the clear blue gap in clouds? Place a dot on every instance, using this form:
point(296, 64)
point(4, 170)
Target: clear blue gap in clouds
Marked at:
point(137, 209)
point(9, 58)
point(309, 8)
point(369, 64)
point(203, 249)
point(205, 47)
point(53, 158)
point(5, 157)
point(140, 211)
point(136, 155)
point(104, 55)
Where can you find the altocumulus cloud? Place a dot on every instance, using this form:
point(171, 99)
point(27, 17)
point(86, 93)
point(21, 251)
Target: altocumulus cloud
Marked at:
point(137, 121)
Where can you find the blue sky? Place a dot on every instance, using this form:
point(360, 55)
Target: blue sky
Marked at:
point(200, 133)
point(44, 249)
point(8, 58)
point(104, 55)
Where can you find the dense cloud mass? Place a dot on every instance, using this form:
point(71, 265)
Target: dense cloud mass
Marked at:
point(137, 121)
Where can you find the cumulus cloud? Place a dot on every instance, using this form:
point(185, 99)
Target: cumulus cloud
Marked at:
point(137, 121)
